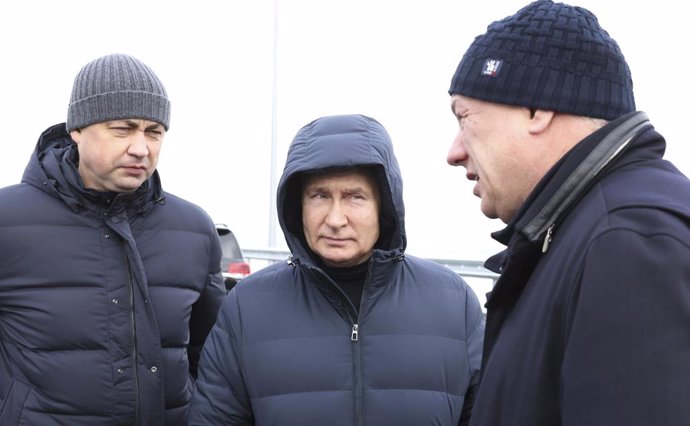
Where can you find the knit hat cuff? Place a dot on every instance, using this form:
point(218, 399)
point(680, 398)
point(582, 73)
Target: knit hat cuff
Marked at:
point(600, 95)
point(118, 105)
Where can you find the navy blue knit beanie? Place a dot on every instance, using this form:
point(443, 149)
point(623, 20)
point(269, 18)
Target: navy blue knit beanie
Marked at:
point(549, 56)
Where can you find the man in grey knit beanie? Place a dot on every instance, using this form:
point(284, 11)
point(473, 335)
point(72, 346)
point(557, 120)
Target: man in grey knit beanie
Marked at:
point(110, 285)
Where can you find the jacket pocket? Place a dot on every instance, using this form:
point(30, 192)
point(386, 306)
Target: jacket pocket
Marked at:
point(13, 405)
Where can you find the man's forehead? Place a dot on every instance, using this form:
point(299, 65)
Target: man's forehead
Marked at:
point(353, 177)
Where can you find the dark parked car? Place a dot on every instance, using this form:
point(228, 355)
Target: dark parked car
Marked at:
point(233, 264)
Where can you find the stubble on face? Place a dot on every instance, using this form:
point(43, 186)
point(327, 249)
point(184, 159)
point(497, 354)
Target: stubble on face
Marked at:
point(493, 146)
point(118, 156)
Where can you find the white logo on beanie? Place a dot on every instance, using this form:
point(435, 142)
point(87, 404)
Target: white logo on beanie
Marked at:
point(492, 67)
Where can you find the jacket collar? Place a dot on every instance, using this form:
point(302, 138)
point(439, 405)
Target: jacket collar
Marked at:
point(567, 181)
point(53, 168)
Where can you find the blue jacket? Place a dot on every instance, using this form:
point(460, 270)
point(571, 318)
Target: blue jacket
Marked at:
point(290, 349)
point(105, 301)
point(589, 322)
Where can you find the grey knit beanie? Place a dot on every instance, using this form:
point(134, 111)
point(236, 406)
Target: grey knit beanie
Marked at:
point(117, 87)
point(548, 56)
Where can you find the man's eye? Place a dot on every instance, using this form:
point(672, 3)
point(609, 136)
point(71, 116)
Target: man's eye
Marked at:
point(461, 120)
point(154, 134)
point(121, 131)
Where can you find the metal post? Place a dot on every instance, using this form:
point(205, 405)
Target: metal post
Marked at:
point(272, 214)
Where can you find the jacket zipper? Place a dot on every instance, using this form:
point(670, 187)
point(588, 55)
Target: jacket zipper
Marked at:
point(354, 337)
point(358, 374)
point(547, 238)
point(135, 370)
point(355, 332)
point(357, 357)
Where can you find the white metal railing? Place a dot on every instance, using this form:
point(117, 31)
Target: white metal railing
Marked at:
point(466, 268)
point(480, 279)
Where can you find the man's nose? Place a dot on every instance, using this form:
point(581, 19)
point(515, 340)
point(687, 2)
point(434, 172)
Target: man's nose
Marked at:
point(457, 154)
point(337, 216)
point(139, 145)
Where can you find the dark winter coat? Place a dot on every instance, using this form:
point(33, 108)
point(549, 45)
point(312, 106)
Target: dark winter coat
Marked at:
point(104, 301)
point(290, 349)
point(589, 322)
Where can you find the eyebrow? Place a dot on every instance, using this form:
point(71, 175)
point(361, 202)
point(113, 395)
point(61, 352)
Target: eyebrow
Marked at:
point(323, 188)
point(154, 126)
point(454, 105)
point(135, 124)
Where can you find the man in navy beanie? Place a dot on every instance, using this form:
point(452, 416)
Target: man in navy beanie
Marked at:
point(108, 284)
point(588, 323)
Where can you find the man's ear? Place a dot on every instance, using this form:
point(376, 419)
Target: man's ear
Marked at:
point(540, 120)
point(76, 135)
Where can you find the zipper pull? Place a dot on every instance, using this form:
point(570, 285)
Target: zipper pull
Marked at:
point(547, 239)
point(355, 333)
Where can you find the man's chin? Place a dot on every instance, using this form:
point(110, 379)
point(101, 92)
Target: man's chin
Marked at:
point(126, 188)
point(488, 210)
point(129, 185)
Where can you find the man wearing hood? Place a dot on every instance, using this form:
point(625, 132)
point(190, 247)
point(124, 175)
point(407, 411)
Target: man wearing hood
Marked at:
point(108, 284)
point(351, 330)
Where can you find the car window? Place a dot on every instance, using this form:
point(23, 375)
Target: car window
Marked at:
point(230, 247)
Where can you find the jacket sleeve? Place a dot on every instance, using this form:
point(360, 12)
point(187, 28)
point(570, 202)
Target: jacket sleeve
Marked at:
point(475, 320)
point(221, 397)
point(626, 358)
point(205, 309)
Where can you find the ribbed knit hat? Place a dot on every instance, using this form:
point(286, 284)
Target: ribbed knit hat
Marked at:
point(117, 87)
point(549, 56)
